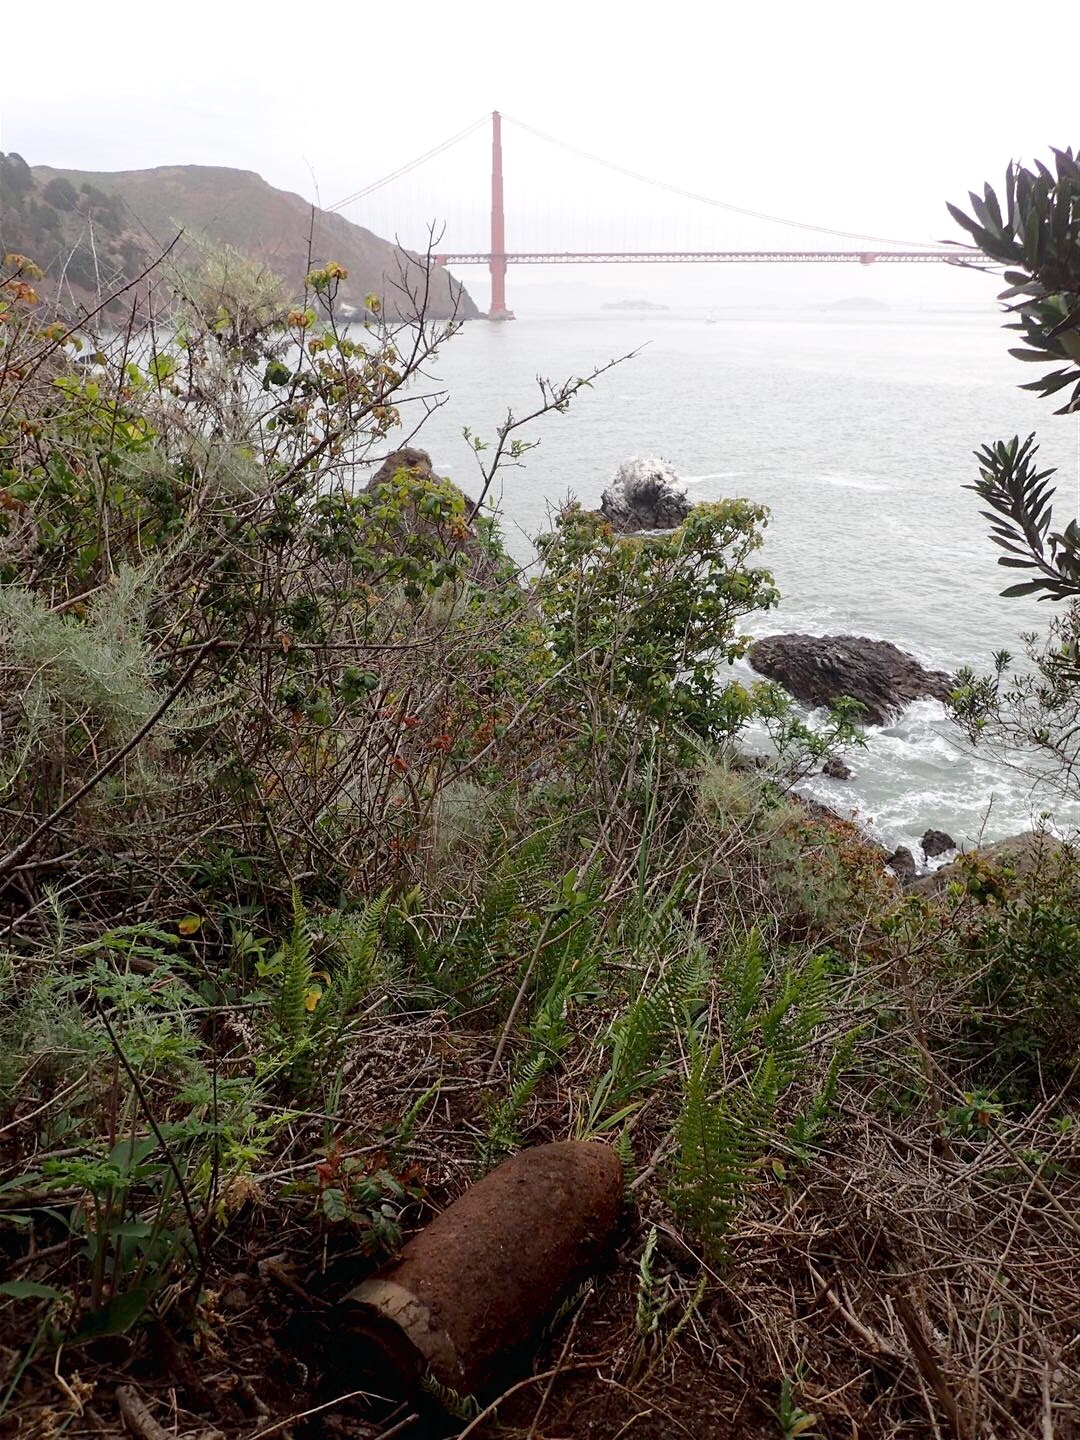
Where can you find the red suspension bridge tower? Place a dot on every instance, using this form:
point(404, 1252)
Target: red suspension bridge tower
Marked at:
point(497, 254)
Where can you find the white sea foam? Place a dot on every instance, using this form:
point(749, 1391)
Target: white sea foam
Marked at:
point(854, 482)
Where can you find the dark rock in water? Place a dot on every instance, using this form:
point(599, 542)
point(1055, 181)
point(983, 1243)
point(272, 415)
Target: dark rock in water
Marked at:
point(836, 769)
point(936, 842)
point(902, 863)
point(646, 494)
point(819, 669)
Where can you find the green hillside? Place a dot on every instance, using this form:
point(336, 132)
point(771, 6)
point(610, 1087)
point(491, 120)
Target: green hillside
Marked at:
point(90, 230)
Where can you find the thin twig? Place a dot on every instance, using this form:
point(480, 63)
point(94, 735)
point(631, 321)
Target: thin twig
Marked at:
point(317, 1410)
point(489, 1410)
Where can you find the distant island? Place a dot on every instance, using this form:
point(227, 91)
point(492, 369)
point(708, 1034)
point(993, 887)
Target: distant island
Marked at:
point(633, 305)
point(92, 231)
point(856, 302)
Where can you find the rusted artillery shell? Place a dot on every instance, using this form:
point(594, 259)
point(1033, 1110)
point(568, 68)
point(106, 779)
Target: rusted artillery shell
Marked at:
point(484, 1276)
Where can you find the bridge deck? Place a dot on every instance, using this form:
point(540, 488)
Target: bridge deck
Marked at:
point(715, 257)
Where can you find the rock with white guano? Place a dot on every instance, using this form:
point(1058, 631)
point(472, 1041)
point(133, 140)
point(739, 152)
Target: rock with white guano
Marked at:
point(646, 494)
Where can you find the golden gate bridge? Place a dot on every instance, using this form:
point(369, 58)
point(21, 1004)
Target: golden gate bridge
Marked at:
point(497, 258)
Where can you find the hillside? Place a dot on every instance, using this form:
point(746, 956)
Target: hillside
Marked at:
point(81, 225)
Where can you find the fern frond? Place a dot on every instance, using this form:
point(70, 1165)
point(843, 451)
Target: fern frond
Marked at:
point(789, 1025)
point(462, 1407)
point(296, 976)
point(502, 1135)
point(360, 943)
point(651, 1303)
point(624, 1149)
point(719, 1140)
point(662, 1009)
point(743, 978)
point(804, 1129)
point(463, 965)
point(405, 1129)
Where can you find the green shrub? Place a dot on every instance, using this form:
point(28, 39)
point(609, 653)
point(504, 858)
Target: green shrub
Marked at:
point(642, 625)
point(1023, 947)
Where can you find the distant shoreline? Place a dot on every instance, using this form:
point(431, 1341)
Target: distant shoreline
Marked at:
point(633, 305)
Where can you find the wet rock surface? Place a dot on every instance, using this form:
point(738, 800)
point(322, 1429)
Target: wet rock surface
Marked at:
point(902, 863)
point(820, 669)
point(646, 494)
point(836, 769)
point(937, 842)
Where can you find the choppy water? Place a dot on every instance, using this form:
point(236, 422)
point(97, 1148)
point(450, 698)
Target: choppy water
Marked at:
point(857, 431)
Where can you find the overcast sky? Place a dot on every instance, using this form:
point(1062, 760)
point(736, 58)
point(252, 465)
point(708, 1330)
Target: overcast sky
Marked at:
point(860, 116)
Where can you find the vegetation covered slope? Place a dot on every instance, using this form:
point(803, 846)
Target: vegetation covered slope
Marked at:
point(337, 863)
point(90, 231)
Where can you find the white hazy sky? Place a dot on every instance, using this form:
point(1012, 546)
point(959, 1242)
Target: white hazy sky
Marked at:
point(859, 116)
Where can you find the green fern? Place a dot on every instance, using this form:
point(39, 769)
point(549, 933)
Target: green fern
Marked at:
point(572, 1302)
point(573, 982)
point(743, 978)
point(398, 1142)
point(464, 966)
point(789, 1025)
point(462, 1407)
point(517, 884)
point(296, 976)
point(664, 1007)
point(624, 1149)
point(502, 1137)
point(719, 1140)
point(652, 1296)
point(807, 1125)
point(358, 943)
point(724, 1132)
point(574, 919)
point(314, 1006)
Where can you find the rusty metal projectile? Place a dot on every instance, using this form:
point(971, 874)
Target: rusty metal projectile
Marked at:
point(480, 1280)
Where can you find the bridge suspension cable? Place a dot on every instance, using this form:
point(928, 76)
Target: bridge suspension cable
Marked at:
point(705, 199)
point(411, 165)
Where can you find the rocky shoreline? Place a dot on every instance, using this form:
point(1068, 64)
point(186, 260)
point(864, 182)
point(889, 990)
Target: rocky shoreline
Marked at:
point(646, 496)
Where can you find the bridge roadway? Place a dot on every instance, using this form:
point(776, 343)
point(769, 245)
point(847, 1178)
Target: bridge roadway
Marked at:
point(714, 257)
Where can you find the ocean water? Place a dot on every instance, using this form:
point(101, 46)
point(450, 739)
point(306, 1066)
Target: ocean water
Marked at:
point(857, 431)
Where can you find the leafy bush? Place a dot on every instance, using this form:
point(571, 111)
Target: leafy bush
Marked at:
point(641, 625)
point(1022, 943)
point(60, 193)
point(1036, 233)
point(187, 554)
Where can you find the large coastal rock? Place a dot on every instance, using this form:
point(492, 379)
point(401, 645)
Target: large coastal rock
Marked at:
point(417, 462)
point(937, 842)
point(819, 669)
point(646, 494)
